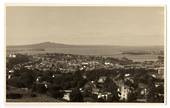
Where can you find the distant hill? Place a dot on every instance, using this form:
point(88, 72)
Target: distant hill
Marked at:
point(40, 45)
point(52, 47)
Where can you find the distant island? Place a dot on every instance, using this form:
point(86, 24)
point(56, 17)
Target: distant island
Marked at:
point(136, 53)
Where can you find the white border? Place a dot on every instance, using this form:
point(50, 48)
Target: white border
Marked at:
point(66, 3)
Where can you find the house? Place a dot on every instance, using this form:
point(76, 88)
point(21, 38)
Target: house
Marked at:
point(12, 55)
point(123, 90)
point(102, 79)
point(142, 92)
point(104, 96)
point(38, 79)
point(95, 91)
point(10, 72)
point(9, 76)
point(28, 66)
point(67, 95)
point(161, 72)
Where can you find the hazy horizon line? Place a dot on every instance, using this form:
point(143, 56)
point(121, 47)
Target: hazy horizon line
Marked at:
point(81, 44)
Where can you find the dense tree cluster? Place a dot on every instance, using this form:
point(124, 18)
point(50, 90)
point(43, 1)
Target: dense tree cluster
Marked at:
point(17, 60)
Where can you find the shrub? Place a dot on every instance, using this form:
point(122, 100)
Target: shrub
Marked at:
point(14, 96)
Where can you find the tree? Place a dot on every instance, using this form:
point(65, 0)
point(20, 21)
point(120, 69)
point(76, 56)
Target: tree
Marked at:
point(40, 88)
point(55, 91)
point(76, 96)
point(27, 78)
point(78, 79)
point(132, 96)
point(47, 76)
point(18, 60)
point(14, 81)
point(111, 86)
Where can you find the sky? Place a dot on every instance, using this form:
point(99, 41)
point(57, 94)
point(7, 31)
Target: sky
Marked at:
point(83, 25)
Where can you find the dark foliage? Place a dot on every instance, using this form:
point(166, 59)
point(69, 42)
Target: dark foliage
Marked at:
point(76, 96)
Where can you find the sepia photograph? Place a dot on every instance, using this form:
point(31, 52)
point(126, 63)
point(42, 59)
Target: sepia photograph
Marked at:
point(79, 54)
